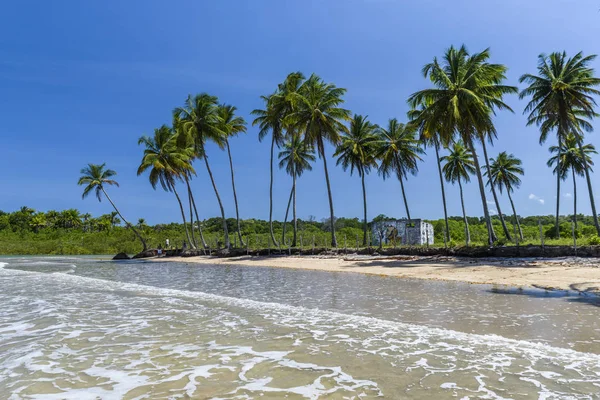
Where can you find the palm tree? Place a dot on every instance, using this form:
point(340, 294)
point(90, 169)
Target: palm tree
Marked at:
point(467, 92)
point(96, 177)
point(167, 163)
point(187, 144)
point(278, 107)
point(295, 157)
point(232, 125)
point(200, 122)
point(38, 221)
point(141, 223)
point(432, 137)
point(316, 113)
point(86, 221)
point(504, 173)
point(398, 152)
point(571, 159)
point(459, 166)
point(489, 137)
point(113, 218)
point(357, 150)
point(561, 100)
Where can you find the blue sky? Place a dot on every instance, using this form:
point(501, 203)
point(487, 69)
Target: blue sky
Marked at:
point(81, 81)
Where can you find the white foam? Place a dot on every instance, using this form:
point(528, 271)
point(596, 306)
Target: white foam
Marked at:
point(395, 340)
point(533, 349)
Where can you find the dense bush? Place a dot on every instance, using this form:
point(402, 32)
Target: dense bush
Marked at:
point(26, 231)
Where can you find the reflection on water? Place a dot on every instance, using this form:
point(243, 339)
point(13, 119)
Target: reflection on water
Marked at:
point(91, 329)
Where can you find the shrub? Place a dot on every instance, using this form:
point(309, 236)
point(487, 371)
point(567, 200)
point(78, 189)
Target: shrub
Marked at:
point(501, 242)
point(594, 240)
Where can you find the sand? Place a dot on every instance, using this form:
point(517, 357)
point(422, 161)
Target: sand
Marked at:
point(576, 274)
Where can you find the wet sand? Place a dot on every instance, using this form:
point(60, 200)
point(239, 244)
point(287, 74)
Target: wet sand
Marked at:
point(578, 274)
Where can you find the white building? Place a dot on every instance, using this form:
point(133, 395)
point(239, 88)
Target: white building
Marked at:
point(401, 231)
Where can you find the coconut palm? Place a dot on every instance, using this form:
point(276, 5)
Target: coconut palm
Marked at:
point(267, 120)
point(562, 101)
point(189, 143)
point(113, 218)
point(96, 177)
point(201, 123)
point(357, 150)
point(484, 137)
point(295, 157)
point(460, 165)
point(86, 221)
point(504, 174)
point(398, 151)
point(467, 92)
point(316, 113)
point(571, 159)
point(232, 125)
point(278, 106)
point(167, 163)
point(432, 137)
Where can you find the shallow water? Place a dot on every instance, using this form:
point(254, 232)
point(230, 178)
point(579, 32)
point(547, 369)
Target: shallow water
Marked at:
point(83, 328)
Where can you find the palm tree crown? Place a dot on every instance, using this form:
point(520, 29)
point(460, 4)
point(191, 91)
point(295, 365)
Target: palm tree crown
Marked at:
point(166, 161)
point(570, 157)
point(95, 176)
point(296, 156)
point(459, 164)
point(357, 147)
point(504, 172)
point(467, 92)
point(398, 150)
point(200, 121)
point(317, 113)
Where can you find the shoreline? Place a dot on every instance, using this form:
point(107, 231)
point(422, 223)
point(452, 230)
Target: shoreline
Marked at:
point(564, 274)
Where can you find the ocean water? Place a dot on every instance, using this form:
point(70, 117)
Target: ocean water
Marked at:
point(89, 328)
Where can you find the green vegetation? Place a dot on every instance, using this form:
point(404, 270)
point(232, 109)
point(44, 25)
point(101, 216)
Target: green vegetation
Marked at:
point(26, 231)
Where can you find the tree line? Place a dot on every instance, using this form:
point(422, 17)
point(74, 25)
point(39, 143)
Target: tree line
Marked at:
point(452, 114)
point(74, 232)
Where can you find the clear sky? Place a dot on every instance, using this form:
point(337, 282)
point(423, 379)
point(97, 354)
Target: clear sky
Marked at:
point(80, 81)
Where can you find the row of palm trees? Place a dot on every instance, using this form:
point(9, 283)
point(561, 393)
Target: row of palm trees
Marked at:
point(304, 114)
point(468, 91)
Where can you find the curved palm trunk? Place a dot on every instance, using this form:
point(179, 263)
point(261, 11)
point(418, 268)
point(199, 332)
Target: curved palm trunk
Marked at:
point(195, 244)
point(187, 232)
point(439, 164)
point(589, 184)
point(187, 181)
point(124, 220)
point(574, 198)
point(237, 212)
point(271, 197)
point(364, 190)
point(404, 197)
point(212, 179)
point(294, 239)
point(515, 214)
point(487, 166)
point(287, 212)
point(400, 178)
point(557, 227)
point(491, 234)
point(331, 214)
point(462, 203)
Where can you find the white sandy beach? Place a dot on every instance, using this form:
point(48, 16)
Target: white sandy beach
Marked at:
point(557, 274)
